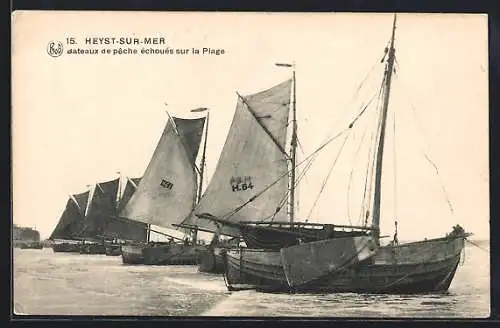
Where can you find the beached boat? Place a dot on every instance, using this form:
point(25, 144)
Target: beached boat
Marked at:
point(303, 257)
point(26, 238)
point(66, 235)
point(168, 192)
point(253, 162)
point(101, 225)
point(132, 254)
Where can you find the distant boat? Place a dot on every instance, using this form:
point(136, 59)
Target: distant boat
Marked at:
point(121, 239)
point(66, 235)
point(26, 238)
point(167, 193)
point(102, 228)
point(285, 255)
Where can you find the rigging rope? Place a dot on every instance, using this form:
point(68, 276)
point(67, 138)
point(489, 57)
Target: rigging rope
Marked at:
point(366, 205)
point(476, 245)
point(424, 141)
point(395, 167)
point(352, 171)
point(328, 175)
point(283, 175)
point(351, 175)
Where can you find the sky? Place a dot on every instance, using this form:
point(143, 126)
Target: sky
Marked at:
point(79, 119)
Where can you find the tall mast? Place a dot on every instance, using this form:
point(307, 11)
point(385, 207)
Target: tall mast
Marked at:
point(293, 151)
point(293, 145)
point(203, 158)
point(119, 191)
point(380, 150)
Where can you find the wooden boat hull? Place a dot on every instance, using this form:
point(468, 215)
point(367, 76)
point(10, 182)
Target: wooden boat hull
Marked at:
point(132, 254)
point(414, 268)
point(211, 260)
point(92, 249)
point(171, 254)
point(66, 248)
point(113, 250)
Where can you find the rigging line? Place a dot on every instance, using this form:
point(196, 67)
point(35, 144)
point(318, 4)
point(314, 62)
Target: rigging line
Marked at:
point(266, 130)
point(395, 166)
point(371, 164)
point(284, 174)
point(377, 62)
point(283, 201)
point(376, 138)
point(329, 173)
point(355, 156)
point(288, 171)
point(351, 175)
point(347, 107)
point(424, 141)
point(480, 247)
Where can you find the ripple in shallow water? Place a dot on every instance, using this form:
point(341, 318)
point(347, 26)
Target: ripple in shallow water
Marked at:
point(65, 284)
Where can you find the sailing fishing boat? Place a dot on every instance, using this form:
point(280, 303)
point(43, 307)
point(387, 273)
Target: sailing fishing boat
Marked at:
point(168, 192)
point(253, 162)
point(101, 222)
point(66, 235)
point(122, 230)
point(295, 256)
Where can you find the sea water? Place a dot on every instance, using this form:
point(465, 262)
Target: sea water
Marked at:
point(47, 283)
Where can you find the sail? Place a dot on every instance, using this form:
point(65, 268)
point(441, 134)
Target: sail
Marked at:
point(82, 201)
point(102, 205)
point(128, 191)
point(167, 192)
point(123, 228)
point(70, 223)
point(191, 131)
point(252, 159)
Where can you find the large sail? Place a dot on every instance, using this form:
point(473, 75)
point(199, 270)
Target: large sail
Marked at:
point(253, 159)
point(70, 223)
point(167, 192)
point(102, 205)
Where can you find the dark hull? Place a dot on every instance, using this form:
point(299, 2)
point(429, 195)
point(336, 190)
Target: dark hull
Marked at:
point(113, 250)
point(132, 254)
point(211, 261)
point(92, 249)
point(66, 248)
point(424, 267)
point(276, 236)
point(171, 254)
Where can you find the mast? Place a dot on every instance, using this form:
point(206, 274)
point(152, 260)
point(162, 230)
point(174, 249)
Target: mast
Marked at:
point(380, 150)
point(203, 158)
point(293, 151)
point(119, 191)
point(293, 145)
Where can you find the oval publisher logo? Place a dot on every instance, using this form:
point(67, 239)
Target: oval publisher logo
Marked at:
point(55, 48)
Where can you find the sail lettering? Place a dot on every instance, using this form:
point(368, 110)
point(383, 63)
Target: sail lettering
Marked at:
point(241, 183)
point(166, 184)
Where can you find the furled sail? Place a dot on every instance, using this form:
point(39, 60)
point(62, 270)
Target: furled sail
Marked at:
point(167, 192)
point(253, 158)
point(101, 206)
point(70, 223)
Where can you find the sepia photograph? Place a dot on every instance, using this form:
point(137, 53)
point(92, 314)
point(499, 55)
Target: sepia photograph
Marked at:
point(227, 164)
